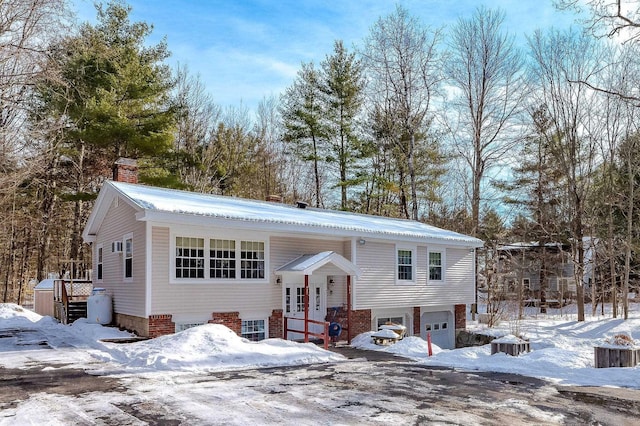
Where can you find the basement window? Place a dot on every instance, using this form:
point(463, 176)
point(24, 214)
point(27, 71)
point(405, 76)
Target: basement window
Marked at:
point(254, 330)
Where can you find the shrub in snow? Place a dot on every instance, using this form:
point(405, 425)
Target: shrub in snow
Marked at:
point(621, 340)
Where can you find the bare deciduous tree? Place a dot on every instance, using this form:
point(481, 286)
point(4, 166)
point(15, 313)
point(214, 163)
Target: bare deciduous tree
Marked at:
point(486, 70)
point(558, 59)
point(403, 65)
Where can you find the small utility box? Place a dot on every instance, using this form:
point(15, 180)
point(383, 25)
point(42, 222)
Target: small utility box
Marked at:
point(510, 345)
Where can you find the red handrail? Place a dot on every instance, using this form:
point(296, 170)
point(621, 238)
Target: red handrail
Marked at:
point(324, 336)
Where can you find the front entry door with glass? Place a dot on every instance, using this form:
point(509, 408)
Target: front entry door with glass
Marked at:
point(294, 306)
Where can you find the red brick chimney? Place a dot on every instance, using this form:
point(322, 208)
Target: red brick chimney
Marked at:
point(125, 170)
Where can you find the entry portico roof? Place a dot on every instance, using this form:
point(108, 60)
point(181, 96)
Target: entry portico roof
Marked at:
point(308, 263)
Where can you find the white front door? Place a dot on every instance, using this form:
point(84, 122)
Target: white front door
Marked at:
point(293, 306)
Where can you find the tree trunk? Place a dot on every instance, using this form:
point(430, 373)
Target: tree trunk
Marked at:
point(412, 177)
point(627, 254)
point(316, 171)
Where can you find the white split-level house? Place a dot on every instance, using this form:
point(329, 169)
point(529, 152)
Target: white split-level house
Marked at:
point(174, 259)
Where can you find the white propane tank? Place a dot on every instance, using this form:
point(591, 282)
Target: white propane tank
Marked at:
point(99, 307)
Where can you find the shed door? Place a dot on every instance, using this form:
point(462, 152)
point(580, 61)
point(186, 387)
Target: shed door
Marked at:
point(294, 306)
point(440, 325)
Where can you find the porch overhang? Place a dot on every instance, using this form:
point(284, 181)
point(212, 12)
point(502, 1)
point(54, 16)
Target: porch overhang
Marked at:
point(308, 263)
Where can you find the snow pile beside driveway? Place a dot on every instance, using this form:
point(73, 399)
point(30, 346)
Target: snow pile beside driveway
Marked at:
point(206, 348)
point(410, 347)
point(214, 347)
point(13, 315)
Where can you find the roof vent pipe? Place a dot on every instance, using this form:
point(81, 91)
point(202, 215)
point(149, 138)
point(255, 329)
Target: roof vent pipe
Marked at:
point(301, 204)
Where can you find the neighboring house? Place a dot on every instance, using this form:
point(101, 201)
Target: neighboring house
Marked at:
point(174, 259)
point(520, 264)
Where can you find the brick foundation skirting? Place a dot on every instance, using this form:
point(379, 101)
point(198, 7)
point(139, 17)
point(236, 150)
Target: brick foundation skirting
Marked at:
point(416, 320)
point(360, 322)
point(230, 320)
point(160, 325)
point(276, 328)
point(461, 317)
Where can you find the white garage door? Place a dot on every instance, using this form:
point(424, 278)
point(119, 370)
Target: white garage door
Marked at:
point(440, 325)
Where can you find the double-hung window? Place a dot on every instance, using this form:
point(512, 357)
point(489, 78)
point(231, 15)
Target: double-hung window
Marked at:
point(222, 259)
point(405, 265)
point(219, 259)
point(436, 264)
point(128, 256)
point(99, 262)
point(189, 257)
point(252, 259)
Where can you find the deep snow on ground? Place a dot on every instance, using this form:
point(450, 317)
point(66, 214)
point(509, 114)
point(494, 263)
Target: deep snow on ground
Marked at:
point(562, 352)
point(206, 348)
point(562, 349)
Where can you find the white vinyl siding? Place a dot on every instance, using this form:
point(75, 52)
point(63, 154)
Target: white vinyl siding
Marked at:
point(377, 287)
point(202, 297)
point(128, 294)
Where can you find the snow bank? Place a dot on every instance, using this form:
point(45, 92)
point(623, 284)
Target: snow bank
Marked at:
point(11, 312)
point(212, 347)
point(410, 347)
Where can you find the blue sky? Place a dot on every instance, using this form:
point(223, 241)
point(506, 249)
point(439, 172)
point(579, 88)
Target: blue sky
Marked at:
point(245, 50)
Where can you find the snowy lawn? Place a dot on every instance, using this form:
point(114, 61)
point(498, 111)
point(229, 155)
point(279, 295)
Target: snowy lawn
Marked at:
point(182, 376)
point(562, 349)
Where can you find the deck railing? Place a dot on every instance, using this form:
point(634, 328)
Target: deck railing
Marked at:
point(67, 291)
point(324, 335)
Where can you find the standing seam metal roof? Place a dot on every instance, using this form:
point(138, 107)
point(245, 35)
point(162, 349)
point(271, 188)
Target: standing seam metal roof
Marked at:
point(191, 203)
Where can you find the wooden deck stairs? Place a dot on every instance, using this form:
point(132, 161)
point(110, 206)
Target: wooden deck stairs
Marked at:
point(70, 299)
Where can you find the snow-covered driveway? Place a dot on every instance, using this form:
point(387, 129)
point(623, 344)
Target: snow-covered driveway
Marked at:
point(59, 375)
point(350, 392)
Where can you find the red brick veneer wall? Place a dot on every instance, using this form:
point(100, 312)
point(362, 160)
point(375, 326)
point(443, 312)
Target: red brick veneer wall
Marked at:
point(275, 324)
point(228, 319)
point(461, 317)
point(416, 320)
point(159, 325)
point(360, 322)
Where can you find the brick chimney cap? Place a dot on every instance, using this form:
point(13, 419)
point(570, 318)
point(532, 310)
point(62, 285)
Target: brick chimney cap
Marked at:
point(126, 162)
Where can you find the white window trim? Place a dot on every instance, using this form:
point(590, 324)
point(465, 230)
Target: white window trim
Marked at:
point(266, 325)
point(126, 237)
point(414, 252)
point(99, 247)
point(443, 259)
point(207, 244)
point(182, 326)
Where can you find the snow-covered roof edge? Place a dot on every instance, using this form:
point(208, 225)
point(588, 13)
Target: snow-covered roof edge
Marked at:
point(180, 204)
